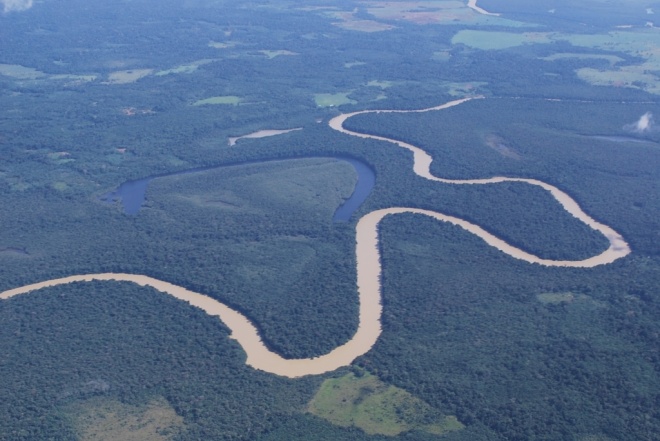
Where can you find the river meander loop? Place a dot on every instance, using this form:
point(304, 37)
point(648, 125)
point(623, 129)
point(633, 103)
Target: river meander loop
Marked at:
point(368, 267)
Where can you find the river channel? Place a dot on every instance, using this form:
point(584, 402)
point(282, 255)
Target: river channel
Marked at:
point(367, 252)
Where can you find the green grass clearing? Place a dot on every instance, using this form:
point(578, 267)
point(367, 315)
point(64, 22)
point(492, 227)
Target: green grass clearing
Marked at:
point(381, 84)
point(127, 76)
point(221, 45)
point(441, 56)
point(643, 43)
point(102, 419)
point(462, 89)
point(214, 100)
point(333, 99)
point(60, 186)
point(365, 402)
point(311, 187)
point(612, 59)
point(20, 72)
point(272, 54)
point(448, 12)
point(555, 298)
point(492, 40)
point(569, 298)
point(59, 158)
point(634, 77)
point(184, 68)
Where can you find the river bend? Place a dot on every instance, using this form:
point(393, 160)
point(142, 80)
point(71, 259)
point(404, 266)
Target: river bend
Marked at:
point(368, 267)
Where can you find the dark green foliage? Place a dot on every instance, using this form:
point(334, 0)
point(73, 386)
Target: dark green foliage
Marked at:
point(69, 343)
point(477, 341)
point(465, 327)
point(551, 142)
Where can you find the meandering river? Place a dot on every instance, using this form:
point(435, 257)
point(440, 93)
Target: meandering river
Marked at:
point(368, 267)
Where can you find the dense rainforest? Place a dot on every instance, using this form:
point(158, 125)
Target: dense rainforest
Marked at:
point(94, 94)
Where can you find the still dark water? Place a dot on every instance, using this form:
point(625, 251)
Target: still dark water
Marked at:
point(132, 193)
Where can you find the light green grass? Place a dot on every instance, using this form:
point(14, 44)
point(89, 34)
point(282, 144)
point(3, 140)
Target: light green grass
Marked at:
point(492, 40)
point(59, 158)
point(215, 100)
point(20, 72)
point(365, 402)
point(60, 186)
point(222, 45)
point(440, 12)
point(576, 299)
point(272, 54)
point(643, 43)
point(381, 84)
point(104, 419)
point(629, 76)
point(441, 56)
point(184, 68)
point(612, 59)
point(462, 89)
point(554, 298)
point(333, 99)
point(311, 187)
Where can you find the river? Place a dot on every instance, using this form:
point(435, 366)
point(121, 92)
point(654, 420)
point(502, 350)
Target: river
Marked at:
point(367, 252)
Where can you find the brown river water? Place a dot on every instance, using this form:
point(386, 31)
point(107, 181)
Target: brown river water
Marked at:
point(368, 267)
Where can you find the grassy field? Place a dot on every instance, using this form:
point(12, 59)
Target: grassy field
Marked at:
point(496, 40)
point(271, 185)
point(127, 76)
point(20, 72)
point(642, 43)
point(272, 54)
point(362, 400)
point(333, 99)
point(227, 99)
point(612, 59)
point(102, 419)
point(553, 298)
point(184, 68)
point(381, 84)
point(447, 12)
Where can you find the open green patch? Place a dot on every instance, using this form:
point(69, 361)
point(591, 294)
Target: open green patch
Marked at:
point(101, 419)
point(333, 99)
point(227, 99)
point(612, 59)
point(184, 68)
point(641, 43)
point(362, 400)
point(497, 40)
point(272, 54)
point(555, 298)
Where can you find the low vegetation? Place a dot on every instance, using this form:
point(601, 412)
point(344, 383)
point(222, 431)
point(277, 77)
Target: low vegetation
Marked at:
point(228, 99)
point(361, 400)
point(102, 419)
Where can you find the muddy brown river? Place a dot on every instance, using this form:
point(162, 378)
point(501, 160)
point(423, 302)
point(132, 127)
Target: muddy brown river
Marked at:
point(368, 266)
